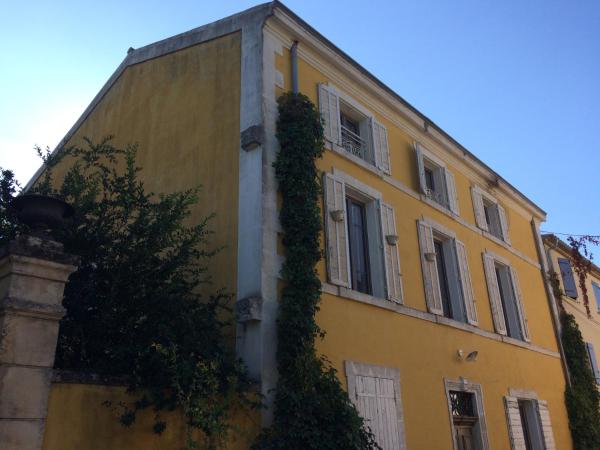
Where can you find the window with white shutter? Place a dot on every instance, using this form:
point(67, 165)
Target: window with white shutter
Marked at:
point(380, 146)
point(436, 182)
point(546, 424)
point(329, 105)
point(433, 294)
point(529, 424)
point(446, 275)
point(336, 231)
point(596, 289)
point(375, 391)
point(593, 362)
point(391, 256)
point(506, 300)
point(566, 273)
point(490, 216)
point(361, 238)
point(489, 265)
point(350, 127)
point(466, 284)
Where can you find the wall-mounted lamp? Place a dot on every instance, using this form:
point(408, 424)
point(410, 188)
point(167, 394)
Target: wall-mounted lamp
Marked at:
point(471, 357)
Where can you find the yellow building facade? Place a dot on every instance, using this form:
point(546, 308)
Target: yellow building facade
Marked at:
point(558, 254)
point(434, 298)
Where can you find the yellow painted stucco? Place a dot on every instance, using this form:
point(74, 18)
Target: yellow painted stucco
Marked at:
point(423, 351)
point(182, 110)
point(80, 419)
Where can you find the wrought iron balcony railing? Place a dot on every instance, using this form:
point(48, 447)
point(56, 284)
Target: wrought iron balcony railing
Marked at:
point(353, 143)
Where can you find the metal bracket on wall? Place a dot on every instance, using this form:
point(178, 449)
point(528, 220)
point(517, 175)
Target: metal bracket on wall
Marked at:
point(252, 137)
point(249, 309)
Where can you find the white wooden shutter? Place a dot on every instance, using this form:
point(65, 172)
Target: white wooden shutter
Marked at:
point(421, 168)
point(329, 105)
point(494, 294)
point(519, 302)
point(546, 425)
point(433, 295)
point(338, 266)
point(376, 403)
point(515, 427)
point(478, 208)
point(465, 281)
point(393, 275)
point(503, 223)
point(380, 146)
point(451, 191)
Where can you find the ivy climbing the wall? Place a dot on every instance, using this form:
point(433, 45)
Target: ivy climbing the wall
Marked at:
point(312, 410)
point(582, 397)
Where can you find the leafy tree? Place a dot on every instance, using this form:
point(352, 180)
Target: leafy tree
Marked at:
point(133, 305)
point(9, 187)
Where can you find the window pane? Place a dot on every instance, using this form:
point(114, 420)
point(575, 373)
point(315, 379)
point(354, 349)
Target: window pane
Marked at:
point(440, 259)
point(509, 302)
point(566, 272)
point(357, 234)
point(429, 179)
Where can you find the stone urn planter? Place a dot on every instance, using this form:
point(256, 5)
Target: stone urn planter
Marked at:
point(41, 212)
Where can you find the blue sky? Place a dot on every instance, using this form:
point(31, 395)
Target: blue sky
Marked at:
point(516, 82)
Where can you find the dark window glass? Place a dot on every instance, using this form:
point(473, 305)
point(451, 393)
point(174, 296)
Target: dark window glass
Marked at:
point(350, 124)
point(493, 219)
point(525, 425)
point(429, 179)
point(509, 302)
point(462, 404)
point(566, 272)
point(440, 259)
point(359, 251)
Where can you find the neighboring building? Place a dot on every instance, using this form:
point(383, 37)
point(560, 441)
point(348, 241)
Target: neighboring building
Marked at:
point(558, 254)
point(434, 297)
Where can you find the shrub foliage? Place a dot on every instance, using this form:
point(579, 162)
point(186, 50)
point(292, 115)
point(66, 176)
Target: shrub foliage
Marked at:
point(133, 305)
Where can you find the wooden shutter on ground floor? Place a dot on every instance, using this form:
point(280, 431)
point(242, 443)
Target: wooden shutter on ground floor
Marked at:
point(520, 306)
point(494, 294)
point(515, 427)
point(336, 230)
point(433, 295)
point(392, 259)
point(376, 403)
point(478, 208)
point(546, 425)
point(329, 105)
point(451, 192)
point(503, 223)
point(380, 146)
point(465, 281)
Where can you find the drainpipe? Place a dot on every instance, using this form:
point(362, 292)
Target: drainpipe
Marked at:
point(294, 54)
point(544, 258)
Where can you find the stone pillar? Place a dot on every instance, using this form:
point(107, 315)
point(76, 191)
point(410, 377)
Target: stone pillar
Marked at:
point(33, 273)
